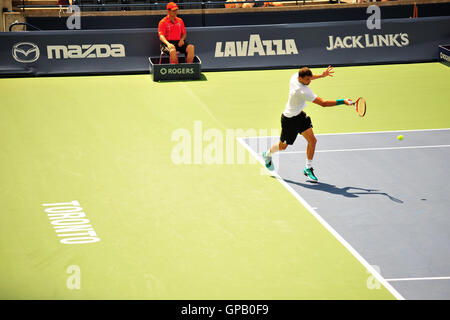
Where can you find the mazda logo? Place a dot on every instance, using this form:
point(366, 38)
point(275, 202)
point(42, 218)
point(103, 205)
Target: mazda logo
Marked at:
point(25, 52)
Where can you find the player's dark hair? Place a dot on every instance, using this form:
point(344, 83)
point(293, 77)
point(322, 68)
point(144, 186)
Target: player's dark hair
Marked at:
point(304, 72)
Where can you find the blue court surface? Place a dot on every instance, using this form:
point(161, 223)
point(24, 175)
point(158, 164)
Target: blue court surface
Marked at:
point(388, 199)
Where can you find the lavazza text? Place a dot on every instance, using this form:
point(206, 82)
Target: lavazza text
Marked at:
point(255, 46)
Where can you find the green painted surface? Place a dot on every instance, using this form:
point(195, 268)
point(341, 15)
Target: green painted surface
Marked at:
point(181, 231)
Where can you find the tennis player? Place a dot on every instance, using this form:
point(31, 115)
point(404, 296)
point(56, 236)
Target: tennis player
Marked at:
point(294, 120)
point(172, 34)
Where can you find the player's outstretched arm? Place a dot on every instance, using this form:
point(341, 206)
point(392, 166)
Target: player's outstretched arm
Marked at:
point(331, 103)
point(327, 73)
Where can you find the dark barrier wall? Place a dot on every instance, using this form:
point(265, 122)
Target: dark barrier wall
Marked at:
point(315, 44)
point(227, 48)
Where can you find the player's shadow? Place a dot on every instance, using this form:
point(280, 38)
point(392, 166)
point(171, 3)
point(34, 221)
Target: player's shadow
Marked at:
point(345, 191)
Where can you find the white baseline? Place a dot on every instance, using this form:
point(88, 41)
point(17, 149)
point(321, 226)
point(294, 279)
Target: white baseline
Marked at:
point(372, 149)
point(368, 132)
point(419, 279)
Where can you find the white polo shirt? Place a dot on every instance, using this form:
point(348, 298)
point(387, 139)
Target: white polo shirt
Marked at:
point(298, 95)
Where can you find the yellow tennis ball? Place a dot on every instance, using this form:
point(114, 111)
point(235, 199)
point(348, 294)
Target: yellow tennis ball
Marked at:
point(400, 137)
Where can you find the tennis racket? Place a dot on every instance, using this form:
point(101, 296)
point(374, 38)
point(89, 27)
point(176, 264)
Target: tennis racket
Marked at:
point(360, 106)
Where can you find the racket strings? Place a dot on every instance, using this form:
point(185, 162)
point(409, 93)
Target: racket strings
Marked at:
point(361, 107)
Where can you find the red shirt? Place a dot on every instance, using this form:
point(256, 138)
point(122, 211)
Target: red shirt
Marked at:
point(170, 30)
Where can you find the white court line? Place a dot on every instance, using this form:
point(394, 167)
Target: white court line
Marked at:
point(326, 225)
point(203, 105)
point(369, 132)
point(419, 279)
point(371, 149)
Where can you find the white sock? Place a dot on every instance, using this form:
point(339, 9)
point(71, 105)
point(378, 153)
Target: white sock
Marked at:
point(309, 163)
point(268, 153)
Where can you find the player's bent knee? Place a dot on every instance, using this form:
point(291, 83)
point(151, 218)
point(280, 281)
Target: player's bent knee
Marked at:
point(282, 145)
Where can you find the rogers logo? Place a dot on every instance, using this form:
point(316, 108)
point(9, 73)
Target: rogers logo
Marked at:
point(444, 57)
point(25, 52)
point(176, 70)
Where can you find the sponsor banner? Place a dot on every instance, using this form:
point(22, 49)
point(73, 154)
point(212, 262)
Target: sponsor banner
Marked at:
point(226, 48)
point(314, 44)
point(444, 54)
point(77, 52)
point(167, 71)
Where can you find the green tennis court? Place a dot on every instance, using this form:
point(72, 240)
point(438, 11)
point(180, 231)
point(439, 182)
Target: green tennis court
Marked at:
point(210, 227)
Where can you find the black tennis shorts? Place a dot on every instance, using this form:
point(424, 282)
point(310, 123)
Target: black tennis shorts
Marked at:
point(291, 127)
point(181, 49)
